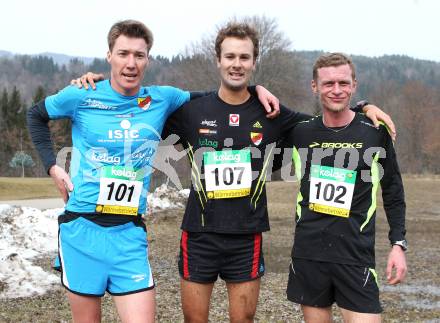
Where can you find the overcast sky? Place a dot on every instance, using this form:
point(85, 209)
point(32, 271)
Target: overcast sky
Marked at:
point(364, 27)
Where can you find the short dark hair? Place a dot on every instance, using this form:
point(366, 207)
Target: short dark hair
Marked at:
point(237, 30)
point(333, 59)
point(129, 28)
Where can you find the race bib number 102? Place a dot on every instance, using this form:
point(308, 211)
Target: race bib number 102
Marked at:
point(228, 173)
point(331, 190)
point(120, 189)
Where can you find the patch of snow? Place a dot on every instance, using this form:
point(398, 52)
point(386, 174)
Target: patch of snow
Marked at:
point(4, 207)
point(165, 197)
point(27, 233)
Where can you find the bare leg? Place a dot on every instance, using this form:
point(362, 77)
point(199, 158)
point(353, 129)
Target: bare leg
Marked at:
point(314, 314)
point(356, 317)
point(85, 309)
point(137, 307)
point(243, 299)
point(195, 298)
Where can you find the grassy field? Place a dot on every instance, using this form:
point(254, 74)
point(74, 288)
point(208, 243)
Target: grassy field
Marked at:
point(416, 300)
point(17, 188)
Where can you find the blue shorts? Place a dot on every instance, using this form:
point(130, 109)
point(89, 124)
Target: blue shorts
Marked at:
point(95, 259)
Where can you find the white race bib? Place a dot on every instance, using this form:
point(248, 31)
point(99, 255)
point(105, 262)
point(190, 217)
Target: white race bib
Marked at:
point(120, 189)
point(228, 173)
point(331, 190)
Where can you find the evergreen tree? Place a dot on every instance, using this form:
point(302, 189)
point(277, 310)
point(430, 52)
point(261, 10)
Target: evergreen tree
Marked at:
point(15, 112)
point(3, 109)
point(39, 95)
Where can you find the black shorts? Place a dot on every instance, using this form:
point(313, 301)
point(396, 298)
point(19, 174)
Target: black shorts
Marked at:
point(234, 257)
point(320, 284)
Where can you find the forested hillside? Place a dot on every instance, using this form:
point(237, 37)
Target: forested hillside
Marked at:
point(406, 88)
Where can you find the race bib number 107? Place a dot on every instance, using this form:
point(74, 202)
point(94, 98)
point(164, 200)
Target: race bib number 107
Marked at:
point(228, 173)
point(119, 190)
point(331, 190)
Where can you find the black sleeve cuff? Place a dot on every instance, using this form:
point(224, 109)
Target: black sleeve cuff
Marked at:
point(198, 94)
point(360, 106)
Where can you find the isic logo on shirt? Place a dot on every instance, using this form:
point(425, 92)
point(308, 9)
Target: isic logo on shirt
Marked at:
point(125, 132)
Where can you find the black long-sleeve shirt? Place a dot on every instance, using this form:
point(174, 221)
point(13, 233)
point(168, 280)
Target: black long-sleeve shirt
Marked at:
point(209, 124)
point(341, 170)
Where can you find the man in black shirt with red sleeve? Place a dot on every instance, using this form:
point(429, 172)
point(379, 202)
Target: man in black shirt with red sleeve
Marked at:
point(341, 159)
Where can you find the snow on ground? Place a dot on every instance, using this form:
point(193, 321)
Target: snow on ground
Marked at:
point(27, 233)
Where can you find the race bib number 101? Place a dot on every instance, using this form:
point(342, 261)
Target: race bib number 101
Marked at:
point(331, 190)
point(119, 190)
point(228, 173)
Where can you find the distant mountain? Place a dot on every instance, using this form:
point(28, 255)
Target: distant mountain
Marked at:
point(4, 53)
point(60, 59)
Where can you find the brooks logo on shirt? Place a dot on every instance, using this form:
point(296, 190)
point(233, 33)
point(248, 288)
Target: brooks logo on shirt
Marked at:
point(336, 145)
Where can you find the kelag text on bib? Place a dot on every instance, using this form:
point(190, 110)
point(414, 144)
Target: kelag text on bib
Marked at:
point(228, 173)
point(331, 190)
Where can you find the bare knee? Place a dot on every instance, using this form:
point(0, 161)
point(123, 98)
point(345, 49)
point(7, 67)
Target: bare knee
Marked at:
point(317, 314)
point(85, 309)
point(243, 299)
point(243, 308)
point(356, 317)
point(194, 318)
point(243, 317)
point(195, 299)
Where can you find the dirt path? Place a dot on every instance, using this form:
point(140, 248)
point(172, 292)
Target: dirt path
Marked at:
point(41, 204)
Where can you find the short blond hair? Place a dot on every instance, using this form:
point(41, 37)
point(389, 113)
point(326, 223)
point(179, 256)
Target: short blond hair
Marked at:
point(333, 59)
